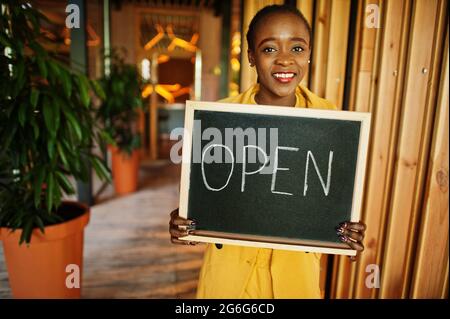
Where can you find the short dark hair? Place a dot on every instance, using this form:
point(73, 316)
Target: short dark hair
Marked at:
point(272, 9)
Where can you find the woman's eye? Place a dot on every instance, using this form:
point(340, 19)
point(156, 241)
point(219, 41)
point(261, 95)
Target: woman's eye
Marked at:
point(297, 49)
point(269, 50)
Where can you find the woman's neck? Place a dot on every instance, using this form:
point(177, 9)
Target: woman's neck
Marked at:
point(266, 98)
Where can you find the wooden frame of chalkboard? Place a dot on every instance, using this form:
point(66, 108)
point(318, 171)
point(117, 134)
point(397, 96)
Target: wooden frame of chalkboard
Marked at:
point(263, 241)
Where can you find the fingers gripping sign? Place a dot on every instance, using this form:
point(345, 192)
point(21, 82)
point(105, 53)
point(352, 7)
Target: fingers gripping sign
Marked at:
point(180, 227)
point(353, 235)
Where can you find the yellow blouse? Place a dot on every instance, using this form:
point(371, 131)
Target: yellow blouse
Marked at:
point(246, 272)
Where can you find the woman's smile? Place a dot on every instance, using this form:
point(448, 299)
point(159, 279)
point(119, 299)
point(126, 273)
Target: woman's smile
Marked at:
point(284, 77)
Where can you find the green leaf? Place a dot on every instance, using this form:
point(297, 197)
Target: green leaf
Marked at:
point(65, 184)
point(98, 89)
point(51, 148)
point(35, 127)
point(22, 113)
point(25, 236)
point(74, 124)
point(34, 96)
point(57, 195)
point(61, 154)
point(49, 118)
point(19, 70)
point(101, 169)
point(67, 146)
point(40, 224)
point(50, 192)
point(66, 82)
point(53, 70)
point(138, 102)
point(42, 67)
point(83, 85)
point(107, 138)
point(38, 187)
point(57, 114)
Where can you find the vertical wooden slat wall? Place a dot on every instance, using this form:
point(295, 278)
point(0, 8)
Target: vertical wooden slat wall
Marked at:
point(432, 264)
point(396, 75)
point(412, 142)
point(344, 270)
point(384, 135)
point(400, 74)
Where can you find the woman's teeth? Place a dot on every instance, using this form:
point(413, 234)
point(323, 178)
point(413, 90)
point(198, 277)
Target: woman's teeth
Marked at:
point(284, 77)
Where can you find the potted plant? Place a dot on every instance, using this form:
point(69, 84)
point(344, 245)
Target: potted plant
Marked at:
point(47, 128)
point(118, 114)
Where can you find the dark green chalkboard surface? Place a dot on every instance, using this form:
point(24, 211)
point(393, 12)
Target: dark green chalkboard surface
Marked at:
point(283, 207)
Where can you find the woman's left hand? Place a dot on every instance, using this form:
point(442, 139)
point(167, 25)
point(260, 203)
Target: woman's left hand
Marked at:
point(353, 235)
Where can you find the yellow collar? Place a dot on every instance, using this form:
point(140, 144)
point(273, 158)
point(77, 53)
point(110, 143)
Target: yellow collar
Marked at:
point(301, 101)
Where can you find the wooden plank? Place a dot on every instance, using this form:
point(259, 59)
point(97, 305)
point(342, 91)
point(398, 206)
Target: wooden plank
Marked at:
point(323, 274)
point(432, 252)
point(362, 86)
point(344, 274)
point(440, 27)
point(356, 52)
point(414, 126)
point(306, 7)
point(402, 67)
point(365, 77)
point(318, 69)
point(342, 267)
point(337, 51)
point(444, 293)
point(384, 133)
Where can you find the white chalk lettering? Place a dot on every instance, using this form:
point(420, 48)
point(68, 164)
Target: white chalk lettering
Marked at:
point(244, 172)
point(276, 168)
point(203, 167)
point(326, 188)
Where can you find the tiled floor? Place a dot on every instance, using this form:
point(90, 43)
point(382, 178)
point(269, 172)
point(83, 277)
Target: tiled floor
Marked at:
point(128, 253)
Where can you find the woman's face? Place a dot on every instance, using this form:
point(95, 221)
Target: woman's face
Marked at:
point(281, 55)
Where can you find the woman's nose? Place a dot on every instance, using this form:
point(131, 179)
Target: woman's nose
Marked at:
point(284, 59)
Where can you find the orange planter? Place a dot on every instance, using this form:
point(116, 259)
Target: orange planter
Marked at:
point(51, 264)
point(125, 169)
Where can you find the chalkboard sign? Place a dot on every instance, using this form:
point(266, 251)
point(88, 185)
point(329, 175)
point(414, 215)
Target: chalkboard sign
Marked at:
point(270, 176)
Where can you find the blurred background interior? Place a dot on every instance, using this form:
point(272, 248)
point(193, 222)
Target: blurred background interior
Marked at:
point(389, 58)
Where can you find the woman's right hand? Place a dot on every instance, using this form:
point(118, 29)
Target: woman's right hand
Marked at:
point(180, 227)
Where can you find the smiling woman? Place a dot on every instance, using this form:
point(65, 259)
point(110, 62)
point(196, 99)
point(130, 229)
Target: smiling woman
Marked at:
point(279, 47)
point(279, 42)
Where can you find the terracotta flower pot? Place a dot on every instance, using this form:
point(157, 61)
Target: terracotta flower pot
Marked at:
point(125, 170)
point(51, 265)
